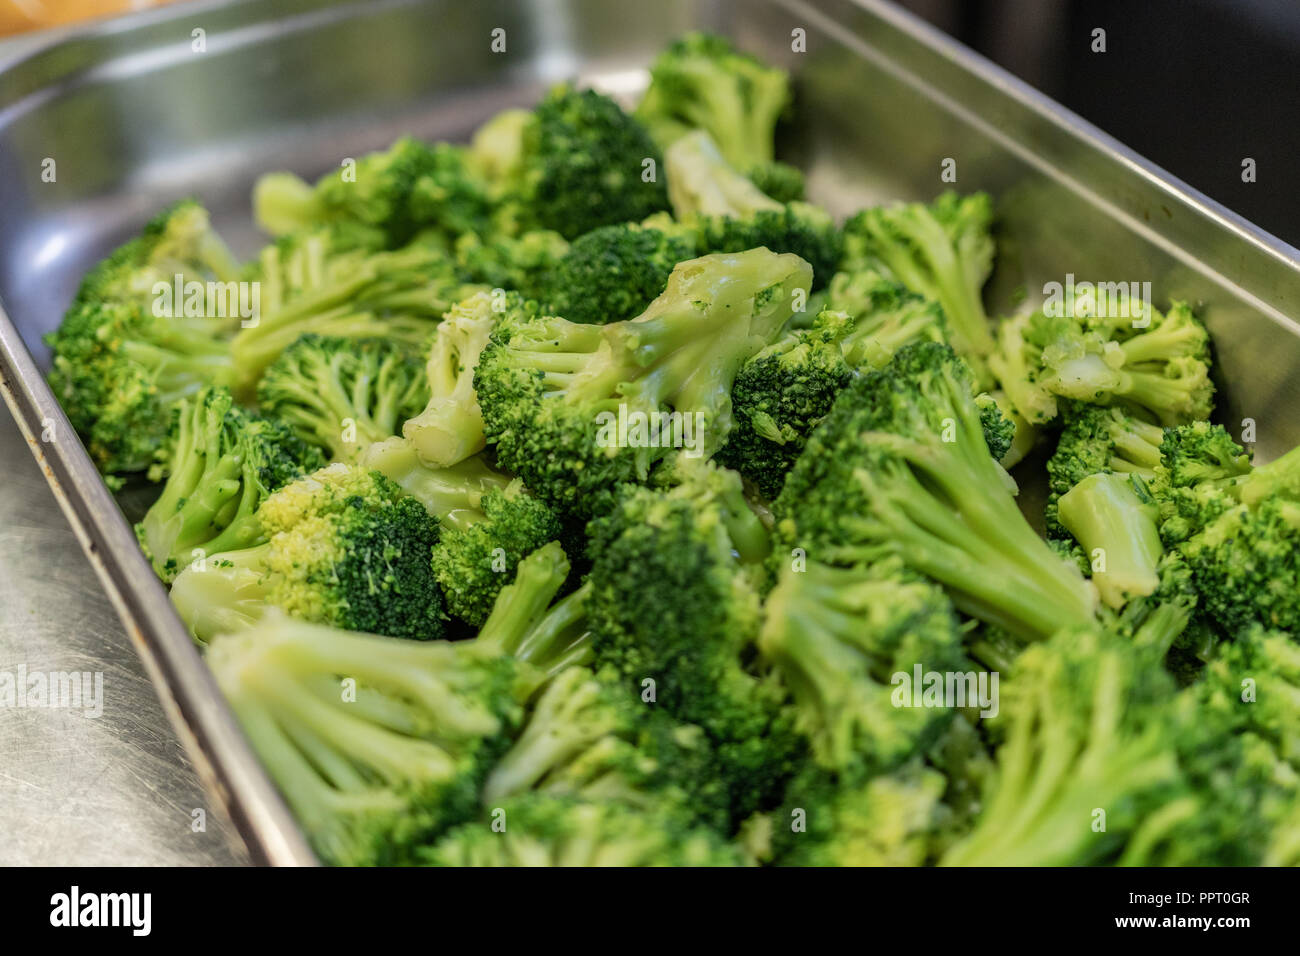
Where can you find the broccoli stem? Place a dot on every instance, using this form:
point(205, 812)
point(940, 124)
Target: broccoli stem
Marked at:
point(1107, 518)
point(453, 495)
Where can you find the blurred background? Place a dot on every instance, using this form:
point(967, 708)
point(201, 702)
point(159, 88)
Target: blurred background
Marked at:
point(1195, 86)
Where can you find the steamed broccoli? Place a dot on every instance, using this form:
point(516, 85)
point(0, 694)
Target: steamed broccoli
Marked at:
point(526, 625)
point(702, 82)
point(1086, 728)
point(221, 462)
point(450, 427)
point(901, 466)
point(556, 394)
point(612, 273)
point(783, 392)
point(120, 362)
point(837, 637)
point(342, 395)
point(1158, 363)
point(378, 745)
point(730, 214)
point(343, 546)
point(1098, 440)
point(555, 831)
point(575, 163)
point(406, 188)
point(523, 263)
point(1197, 476)
point(1246, 561)
point(943, 251)
point(892, 819)
point(310, 286)
point(674, 610)
point(488, 523)
point(1114, 520)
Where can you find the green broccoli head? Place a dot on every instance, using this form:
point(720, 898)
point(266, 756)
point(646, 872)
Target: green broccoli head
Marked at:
point(473, 563)
point(1197, 477)
point(886, 316)
point(408, 187)
point(838, 638)
point(702, 82)
point(310, 285)
point(378, 745)
point(730, 214)
point(673, 604)
point(893, 819)
point(943, 251)
point(540, 830)
point(578, 164)
point(522, 263)
point(221, 463)
point(1086, 726)
point(450, 427)
point(779, 396)
point(577, 409)
point(1158, 363)
point(344, 394)
point(612, 273)
point(344, 547)
point(180, 241)
point(901, 466)
point(118, 370)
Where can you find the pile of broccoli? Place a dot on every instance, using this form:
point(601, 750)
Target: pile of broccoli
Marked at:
point(584, 495)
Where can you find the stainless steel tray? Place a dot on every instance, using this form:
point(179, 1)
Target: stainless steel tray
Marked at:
point(133, 116)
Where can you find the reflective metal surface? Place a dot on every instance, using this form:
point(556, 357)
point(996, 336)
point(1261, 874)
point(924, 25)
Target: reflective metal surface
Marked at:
point(135, 114)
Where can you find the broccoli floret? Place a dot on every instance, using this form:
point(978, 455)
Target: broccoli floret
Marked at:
point(180, 241)
point(901, 466)
point(702, 82)
point(397, 192)
point(450, 428)
point(378, 745)
point(1253, 686)
point(473, 563)
point(1246, 561)
point(730, 214)
point(837, 637)
point(943, 251)
point(342, 394)
point(779, 181)
point(488, 523)
point(1161, 366)
point(888, 820)
point(118, 371)
point(522, 263)
point(672, 603)
point(612, 273)
point(118, 366)
point(541, 830)
point(1085, 725)
point(779, 396)
point(309, 286)
point(886, 316)
point(589, 738)
point(574, 164)
point(1097, 440)
point(998, 427)
point(222, 462)
point(1114, 521)
point(344, 547)
point(555, 394)
point(1197, 477)
point(783, 392)
point(525, 625)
